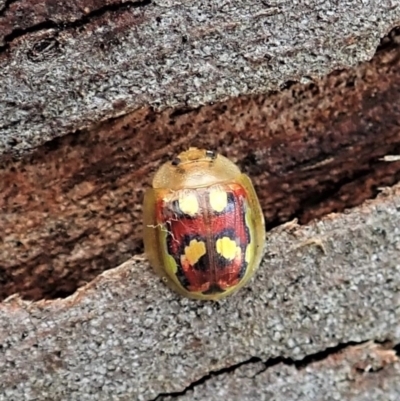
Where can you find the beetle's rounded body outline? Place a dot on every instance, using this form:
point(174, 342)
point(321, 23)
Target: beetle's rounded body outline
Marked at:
point(204, 228)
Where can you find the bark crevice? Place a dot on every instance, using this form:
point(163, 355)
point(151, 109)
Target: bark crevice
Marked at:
point(300, 364)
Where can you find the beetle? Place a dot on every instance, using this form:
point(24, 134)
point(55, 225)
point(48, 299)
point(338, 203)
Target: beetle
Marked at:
point(204, 229)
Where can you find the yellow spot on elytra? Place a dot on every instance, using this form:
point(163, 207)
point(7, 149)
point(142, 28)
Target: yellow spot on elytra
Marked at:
point(218, 200)
point(249, 253)
point(189, 204)
point(194, 251)
point(227, 248)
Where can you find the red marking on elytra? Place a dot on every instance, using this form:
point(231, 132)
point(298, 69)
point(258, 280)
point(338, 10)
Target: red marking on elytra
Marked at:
point(207, 227)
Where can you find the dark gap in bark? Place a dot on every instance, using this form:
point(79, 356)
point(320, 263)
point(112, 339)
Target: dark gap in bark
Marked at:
point(62, 26)
point(73, 207)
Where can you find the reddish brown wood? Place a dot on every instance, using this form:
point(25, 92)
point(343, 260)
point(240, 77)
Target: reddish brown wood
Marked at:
point(27, 15)
point(73, 208)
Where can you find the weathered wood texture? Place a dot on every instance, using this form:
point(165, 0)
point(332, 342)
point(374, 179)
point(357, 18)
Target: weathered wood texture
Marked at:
point(312, 139)
point(72, 209)
point(366, 372)
point(67, 65)
point(126, 337)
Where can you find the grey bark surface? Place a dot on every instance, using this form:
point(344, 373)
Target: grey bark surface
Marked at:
point(321, 318)
point(354, 374)
point(60, 76)
point(332, 283)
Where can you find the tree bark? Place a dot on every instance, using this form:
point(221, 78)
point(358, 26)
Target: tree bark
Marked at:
point(299, 328)
point(94, 96)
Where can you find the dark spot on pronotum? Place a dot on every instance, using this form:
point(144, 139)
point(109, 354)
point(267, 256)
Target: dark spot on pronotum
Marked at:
point(176, 161)
point(211, 154)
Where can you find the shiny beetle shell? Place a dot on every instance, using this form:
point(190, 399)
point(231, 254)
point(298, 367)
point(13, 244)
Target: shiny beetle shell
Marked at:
point(203, 225)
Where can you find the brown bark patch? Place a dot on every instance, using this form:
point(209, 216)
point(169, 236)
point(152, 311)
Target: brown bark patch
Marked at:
point(73, 208)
